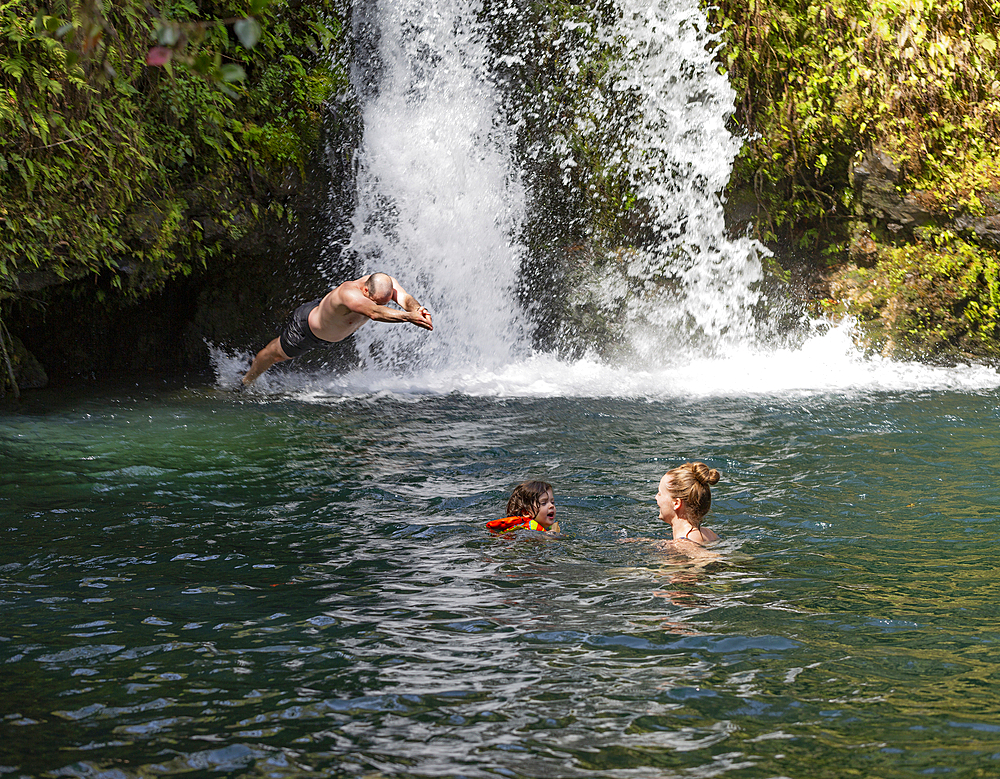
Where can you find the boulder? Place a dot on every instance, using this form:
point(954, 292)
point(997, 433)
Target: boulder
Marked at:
point(876, 179)
point(982, 229)
point(28, 372)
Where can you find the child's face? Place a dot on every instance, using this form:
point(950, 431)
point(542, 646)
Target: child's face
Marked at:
point(545, 515)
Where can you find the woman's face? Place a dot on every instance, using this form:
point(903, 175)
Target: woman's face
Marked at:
point(546, 513)
point(668, 503)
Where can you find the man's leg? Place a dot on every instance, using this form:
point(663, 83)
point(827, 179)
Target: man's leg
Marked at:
point(265, 358)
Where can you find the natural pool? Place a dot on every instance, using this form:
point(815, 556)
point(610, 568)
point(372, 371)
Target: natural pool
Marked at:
point(299, 583)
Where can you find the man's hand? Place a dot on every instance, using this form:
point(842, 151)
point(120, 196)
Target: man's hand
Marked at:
point(422, 318)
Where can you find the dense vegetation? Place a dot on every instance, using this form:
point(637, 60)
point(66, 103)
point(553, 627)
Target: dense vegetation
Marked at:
point(103, 157)
point(138, 137)
point(823, 83)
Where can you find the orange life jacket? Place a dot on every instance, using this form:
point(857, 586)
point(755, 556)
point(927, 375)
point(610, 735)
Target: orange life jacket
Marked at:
point(510, 523)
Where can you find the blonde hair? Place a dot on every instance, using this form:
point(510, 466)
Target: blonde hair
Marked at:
point(691, 483)
point(526, 498)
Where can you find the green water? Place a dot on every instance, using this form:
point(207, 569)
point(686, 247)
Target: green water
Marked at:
point(194, 583)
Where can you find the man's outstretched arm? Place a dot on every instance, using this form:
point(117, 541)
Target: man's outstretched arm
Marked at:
point(361, 304)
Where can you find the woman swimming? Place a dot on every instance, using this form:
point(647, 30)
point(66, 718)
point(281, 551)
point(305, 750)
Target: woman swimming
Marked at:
point(684, 498)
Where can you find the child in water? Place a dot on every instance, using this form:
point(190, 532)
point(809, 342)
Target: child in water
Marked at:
point(684, 498)
point(531, 505)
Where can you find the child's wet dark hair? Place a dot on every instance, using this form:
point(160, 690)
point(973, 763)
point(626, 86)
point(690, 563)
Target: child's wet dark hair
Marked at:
point(526, 498)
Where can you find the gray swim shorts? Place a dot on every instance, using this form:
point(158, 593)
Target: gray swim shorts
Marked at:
point(298, 337)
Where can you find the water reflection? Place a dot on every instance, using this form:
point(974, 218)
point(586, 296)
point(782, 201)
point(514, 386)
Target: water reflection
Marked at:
point(252, 587)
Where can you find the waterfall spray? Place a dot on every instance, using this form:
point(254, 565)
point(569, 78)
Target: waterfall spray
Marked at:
point(441, 204)
point(439, 198)
point(692, 287)
point(681, 161)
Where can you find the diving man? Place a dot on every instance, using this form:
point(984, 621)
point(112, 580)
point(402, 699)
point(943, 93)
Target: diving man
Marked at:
point(339, 314)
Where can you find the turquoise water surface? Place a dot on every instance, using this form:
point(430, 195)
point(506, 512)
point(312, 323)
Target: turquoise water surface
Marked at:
point(199, 583)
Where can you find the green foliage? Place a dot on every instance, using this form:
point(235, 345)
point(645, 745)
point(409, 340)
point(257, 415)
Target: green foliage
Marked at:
point(102, 156)
point(937, 296)
point(820, 81)
point(560, 70)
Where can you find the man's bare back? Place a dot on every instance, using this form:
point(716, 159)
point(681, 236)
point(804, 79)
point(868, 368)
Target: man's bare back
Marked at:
point(343, 310)
point(338, 315)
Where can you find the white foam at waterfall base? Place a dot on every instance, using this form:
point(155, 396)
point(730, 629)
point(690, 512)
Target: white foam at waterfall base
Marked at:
point(826, 363)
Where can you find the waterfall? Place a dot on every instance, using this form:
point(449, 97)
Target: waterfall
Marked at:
point(441, 202)
point(680, 160)
point(439, 198)
point(448, 201)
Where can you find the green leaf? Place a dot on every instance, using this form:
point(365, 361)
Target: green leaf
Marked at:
point(230, 73)
point(203, 63)
point(248, 31)
point(14, 67)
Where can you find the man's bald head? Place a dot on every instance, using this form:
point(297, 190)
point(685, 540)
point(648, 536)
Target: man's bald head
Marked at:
point(380, 288)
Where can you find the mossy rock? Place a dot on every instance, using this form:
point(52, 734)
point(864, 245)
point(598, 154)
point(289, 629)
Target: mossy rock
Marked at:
point(937, 299)
point(28, 371)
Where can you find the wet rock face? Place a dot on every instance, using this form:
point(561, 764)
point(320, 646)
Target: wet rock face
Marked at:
point(984, 229)
point(874, 168)
point(920, 278)
point(875, 179)
point(27, 372)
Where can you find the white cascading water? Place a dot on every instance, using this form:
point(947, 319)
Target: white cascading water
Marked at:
point(439, 200)
point(441, 205)
point(680, 159)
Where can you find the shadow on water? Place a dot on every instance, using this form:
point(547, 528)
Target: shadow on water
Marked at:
point(200, 582)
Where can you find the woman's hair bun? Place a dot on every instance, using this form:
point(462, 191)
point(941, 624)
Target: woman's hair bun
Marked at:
point(705, 474)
